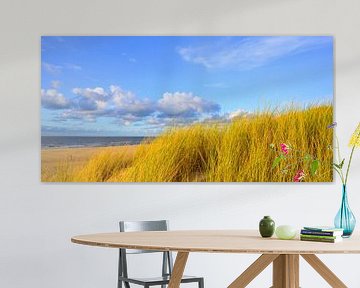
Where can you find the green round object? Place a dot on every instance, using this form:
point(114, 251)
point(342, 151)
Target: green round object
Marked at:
point(266, 227)
point(285, 232)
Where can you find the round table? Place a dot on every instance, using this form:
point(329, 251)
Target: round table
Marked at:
point(284, 254)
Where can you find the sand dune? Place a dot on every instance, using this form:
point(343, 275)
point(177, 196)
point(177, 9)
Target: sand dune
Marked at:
point(51, 159)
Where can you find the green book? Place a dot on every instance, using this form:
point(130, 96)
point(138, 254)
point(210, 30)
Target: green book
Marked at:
point(325, 240)
point(319, 236)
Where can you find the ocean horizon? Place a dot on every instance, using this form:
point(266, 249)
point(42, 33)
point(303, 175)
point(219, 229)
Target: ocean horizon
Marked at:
point(48, 142)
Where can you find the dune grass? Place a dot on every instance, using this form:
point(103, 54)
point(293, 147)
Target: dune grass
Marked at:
point(233, 152)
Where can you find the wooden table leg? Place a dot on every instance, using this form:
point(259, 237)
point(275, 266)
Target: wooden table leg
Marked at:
point(324, 271)
point(286, 271)
point(178, 269)
point(253, 270)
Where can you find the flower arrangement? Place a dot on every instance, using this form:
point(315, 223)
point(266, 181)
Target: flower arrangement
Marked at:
point(354, 142)
point(309, 163)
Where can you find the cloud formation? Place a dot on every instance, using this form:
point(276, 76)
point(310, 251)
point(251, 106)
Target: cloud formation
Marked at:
point(126, 102)
point(54, 100)
point(250, 52)
point(182, 104)
point(91, 99)
point(125, 108)
point(239, 113)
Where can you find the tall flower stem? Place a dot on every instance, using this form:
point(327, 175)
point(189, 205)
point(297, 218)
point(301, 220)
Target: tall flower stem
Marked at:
point(339, 171)
point(348, 167)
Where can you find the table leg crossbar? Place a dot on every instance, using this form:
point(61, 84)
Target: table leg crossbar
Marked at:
point(324, 271)
point(254, 270)
point(285, 271)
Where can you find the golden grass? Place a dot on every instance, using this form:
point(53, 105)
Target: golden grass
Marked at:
point(79, 164)
point(235, 152)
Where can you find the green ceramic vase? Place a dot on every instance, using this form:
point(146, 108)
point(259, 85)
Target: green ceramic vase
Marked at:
point(267, 227)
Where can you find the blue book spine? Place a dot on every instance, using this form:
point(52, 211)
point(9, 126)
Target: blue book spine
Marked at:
point(319, 233)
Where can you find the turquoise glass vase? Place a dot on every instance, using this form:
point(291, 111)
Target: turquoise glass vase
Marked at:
point(345, 219)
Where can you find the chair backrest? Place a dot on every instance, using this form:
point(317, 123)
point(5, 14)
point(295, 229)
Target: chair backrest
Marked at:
point(138, 226)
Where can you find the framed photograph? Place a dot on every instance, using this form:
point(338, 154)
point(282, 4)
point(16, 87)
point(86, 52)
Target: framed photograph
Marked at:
point(187, 108)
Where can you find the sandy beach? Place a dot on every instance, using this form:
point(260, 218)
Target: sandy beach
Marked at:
point(76, 157)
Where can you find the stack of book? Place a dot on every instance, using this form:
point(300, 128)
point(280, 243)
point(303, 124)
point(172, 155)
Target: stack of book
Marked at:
point(321, 234)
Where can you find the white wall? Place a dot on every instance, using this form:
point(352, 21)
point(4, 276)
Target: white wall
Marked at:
point(37, 220)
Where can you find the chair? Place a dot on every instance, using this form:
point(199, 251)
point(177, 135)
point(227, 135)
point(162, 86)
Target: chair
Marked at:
point(167, 262)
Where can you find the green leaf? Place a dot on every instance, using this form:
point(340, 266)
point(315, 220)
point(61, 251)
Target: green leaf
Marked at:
point(339, 166)
point(314, 166)
point(276, 162)
point(342, 163)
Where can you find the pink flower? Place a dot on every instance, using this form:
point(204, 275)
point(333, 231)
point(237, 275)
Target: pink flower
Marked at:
point(299, 176)
point(284, 148)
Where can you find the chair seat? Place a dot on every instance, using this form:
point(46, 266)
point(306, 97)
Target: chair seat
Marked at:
point(158, 280)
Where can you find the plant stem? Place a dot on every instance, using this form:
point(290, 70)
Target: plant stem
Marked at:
point(348, 166)
point(340, 174)
point(338, 149)
point(340, 171)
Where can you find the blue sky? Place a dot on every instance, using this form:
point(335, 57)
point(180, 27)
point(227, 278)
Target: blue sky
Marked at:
point(139, 86)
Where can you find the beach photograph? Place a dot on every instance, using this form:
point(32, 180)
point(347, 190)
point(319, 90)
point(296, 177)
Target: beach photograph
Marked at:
point(187, 108)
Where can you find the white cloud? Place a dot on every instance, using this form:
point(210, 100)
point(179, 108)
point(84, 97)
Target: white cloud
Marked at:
point(52, 68)
point(240, 113)
point(185, 105)
point(90, 93)
point(250, 52)
point(126, 102)
point(52, 99)
point(125, 108)
point(91, 99)
point(228, 117)
point(101, 104)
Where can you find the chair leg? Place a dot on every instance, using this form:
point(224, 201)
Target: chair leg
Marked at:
point(201, 283)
